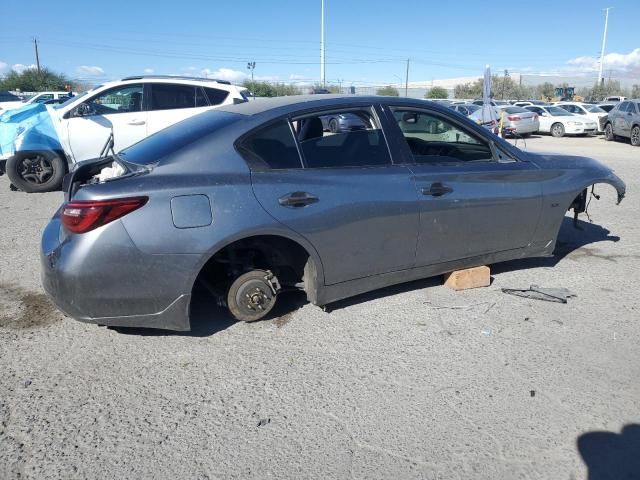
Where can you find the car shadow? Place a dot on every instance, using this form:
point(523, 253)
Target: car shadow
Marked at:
point(570, 239)
point(207, 318)
point(610, 455)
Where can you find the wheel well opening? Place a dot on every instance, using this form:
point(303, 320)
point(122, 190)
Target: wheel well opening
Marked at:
point(285, 258)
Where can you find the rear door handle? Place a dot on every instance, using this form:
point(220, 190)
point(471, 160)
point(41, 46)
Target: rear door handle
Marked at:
point(297, 199)
point(136, 122)
point(437, 190)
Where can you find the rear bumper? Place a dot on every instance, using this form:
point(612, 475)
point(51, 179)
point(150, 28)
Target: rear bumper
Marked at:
point(102, 278)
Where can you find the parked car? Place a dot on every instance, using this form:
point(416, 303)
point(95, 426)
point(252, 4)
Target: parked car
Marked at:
point(516, 120)
point(494, 103)
point(607, 107)
point(558, 122)
point(587, 110)
point(528, 103)
point(40, 142)
point(343, 122)
point(8, 100)
point(254, 199)
point(41, 97)
point(465, 109)
point(614, 98)
point(624, 121)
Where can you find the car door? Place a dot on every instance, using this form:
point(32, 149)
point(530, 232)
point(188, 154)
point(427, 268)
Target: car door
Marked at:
point(340, 191)
point(469, 202)
point(120, 109)
point(171, 103)
point(622, 124)
point(543, 116)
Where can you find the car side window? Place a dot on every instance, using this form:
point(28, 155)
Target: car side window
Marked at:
point(434, 139)
point(624, 107)
point(124, 99)
point(216, 96)
point(271, 148)
point(342, 138)
point(167, 96)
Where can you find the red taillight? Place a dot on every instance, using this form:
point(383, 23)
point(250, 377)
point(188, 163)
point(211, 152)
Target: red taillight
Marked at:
point(84, 216)
point(513, 118)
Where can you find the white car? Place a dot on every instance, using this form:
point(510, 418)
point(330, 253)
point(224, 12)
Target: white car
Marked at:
point(41, 97)
point(587, 110)
point(558, 122)
point(40, 149)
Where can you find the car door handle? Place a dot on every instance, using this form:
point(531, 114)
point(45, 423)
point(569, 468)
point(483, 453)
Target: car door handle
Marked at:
point(297, 199)
point(437, 190)
point(136, 122)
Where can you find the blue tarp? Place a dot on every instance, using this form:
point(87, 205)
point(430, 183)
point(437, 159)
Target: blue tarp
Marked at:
point(27, 128)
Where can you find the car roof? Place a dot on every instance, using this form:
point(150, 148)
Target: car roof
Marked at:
point(300, 102)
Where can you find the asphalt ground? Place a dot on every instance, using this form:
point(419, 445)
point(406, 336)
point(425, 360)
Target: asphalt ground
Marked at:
point(414, 381)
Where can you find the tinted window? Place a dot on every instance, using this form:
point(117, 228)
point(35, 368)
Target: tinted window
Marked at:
point(345, 138)
point(433, 139)
point(623, 107)
point(170, 96)
point(216, 96)
point(123, 99)
point(537, 110)
point(201, 99)
point(170, 140)
point(272, 147)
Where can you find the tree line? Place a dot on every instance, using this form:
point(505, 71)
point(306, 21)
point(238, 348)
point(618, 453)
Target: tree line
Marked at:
point(32, 80)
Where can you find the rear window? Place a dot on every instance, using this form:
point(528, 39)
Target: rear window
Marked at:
point(168, 141)
point(515, 110)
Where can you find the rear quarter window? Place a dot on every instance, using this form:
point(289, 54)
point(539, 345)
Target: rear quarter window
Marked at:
point(216, 96)
point(176, 137)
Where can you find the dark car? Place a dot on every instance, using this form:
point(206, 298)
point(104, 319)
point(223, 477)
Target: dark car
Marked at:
point(251, 200)
point(624, 121)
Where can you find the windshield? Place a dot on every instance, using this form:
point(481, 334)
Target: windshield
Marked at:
point(171, 139)
point(72, 99)
point(593, 109)
point(558, 112)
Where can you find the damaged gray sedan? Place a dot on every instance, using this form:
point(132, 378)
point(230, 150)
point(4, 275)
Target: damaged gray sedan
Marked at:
point(254, 199)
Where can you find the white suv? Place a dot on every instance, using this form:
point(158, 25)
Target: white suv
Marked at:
point(39, 149)
point(40, 97)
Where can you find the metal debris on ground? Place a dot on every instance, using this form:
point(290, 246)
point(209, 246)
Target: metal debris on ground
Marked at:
point(558, 295)
point(263, 422)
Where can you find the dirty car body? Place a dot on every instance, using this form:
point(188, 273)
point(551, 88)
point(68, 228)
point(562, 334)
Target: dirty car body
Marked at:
point(256, 199)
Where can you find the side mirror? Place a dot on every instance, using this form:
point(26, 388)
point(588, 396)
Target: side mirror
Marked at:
point(84, 110)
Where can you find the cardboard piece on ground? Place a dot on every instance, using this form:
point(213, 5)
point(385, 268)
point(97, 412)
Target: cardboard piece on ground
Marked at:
point(468, 278)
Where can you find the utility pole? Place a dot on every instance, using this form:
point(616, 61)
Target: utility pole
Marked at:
point(35, 44)
point(322, 78)
point(604, 43)
point(406, 81)
point(252, 66)
point(504, 82)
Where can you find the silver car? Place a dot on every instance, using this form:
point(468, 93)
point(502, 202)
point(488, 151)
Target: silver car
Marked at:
point(517, 121)
point(255, 199)
point(624, 121)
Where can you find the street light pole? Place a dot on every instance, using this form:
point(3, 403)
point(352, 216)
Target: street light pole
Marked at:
point(604, 43)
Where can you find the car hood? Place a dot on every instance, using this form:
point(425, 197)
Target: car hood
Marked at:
point(594, 171)
point(31, 127)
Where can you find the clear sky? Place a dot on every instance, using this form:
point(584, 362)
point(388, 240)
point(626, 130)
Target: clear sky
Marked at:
point(366, 41)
